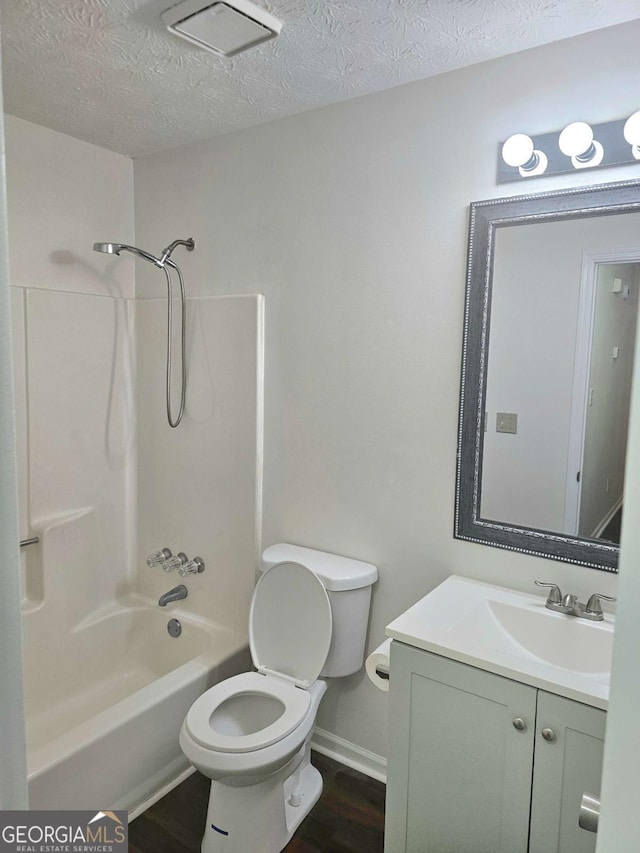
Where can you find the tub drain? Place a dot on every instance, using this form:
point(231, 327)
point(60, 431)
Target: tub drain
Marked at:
point(174, 628)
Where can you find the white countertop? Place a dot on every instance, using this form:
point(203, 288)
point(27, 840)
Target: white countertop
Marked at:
point(512, 634)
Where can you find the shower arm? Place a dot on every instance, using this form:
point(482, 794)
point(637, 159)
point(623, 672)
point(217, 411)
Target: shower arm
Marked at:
point(166, 253)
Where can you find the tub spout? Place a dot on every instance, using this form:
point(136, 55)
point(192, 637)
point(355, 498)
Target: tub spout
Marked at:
point(175, 594)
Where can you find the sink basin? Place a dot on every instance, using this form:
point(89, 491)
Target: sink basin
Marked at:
point(512, 634)
point(558, 639)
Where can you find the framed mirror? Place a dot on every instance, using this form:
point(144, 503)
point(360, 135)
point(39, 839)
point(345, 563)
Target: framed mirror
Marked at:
point(549, 327)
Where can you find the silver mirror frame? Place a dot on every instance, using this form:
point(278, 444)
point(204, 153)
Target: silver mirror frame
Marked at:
point(485, 218)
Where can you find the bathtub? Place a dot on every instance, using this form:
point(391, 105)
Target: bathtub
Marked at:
point(105, 702)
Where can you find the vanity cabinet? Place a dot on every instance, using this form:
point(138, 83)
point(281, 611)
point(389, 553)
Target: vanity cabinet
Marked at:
point(470, 768)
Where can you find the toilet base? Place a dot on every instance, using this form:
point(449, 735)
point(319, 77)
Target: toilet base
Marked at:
point(307, 785)
point(261, 818)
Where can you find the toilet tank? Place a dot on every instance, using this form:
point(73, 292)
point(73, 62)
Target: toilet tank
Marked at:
point(348, 583)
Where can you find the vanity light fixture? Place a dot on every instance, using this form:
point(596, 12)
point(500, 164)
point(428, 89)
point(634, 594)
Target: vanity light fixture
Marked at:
point(577, 142)
point(578, 146)
point(632, 133)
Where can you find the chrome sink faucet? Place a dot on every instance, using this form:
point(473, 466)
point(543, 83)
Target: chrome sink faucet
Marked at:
point(570, 605)
point(176, 594)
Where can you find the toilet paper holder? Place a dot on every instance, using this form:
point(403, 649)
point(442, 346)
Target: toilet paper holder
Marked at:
point(377, 666)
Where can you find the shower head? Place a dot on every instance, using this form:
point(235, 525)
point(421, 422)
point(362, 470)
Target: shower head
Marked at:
point(116, 248)
point(108, 248)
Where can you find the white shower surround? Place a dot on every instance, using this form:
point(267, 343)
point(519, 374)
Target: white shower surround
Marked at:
point(106, 688)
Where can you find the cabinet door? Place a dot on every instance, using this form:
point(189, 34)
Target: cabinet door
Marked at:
point(564, 769)
point(459, 772)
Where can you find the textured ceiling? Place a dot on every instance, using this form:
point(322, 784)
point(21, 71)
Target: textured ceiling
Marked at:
point(107, 70)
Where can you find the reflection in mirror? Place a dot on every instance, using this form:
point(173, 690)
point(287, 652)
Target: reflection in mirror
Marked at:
point(563, 320)
point(550, 322)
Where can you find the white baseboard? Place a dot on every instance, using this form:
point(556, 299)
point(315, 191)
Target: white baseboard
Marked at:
point(350, 754)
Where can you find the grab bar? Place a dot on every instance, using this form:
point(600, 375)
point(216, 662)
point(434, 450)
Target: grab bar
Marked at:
point(33, 541)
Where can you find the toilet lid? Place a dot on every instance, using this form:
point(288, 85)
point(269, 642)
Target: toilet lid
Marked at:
point(290, 623)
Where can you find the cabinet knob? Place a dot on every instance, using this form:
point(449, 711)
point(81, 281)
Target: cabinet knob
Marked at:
point(519, 724)
point(549, 735)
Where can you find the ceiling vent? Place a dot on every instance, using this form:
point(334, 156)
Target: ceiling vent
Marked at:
point(224, 28)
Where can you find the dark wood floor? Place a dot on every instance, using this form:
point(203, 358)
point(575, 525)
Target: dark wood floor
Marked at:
point(349, 817)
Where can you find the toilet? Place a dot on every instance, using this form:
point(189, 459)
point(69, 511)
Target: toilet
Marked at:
point(251, 733)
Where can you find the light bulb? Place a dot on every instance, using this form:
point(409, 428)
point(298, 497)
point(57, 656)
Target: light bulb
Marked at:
point(519, 152)
point(576, 139)
point(632, 133)
point(577, 142)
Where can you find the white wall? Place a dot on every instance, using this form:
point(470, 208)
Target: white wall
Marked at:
point(13, 779)
point(65, 195)
point(352, 220)
point(534, 315)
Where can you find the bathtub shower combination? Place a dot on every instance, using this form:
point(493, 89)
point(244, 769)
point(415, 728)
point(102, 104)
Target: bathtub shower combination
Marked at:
point(107, 685)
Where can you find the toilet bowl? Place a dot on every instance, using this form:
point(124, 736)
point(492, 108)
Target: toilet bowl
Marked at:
point(251, 733)
point(247, 757)
point(246, 767)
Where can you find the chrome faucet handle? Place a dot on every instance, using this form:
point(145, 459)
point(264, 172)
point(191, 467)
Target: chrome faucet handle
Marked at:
point(555, 595)
point(159, 557)
point(192, 567)
point(175, 562)
point(594, 608)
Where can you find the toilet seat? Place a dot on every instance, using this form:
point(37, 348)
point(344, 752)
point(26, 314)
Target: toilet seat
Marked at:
point(290, 628)
point(198, 721)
